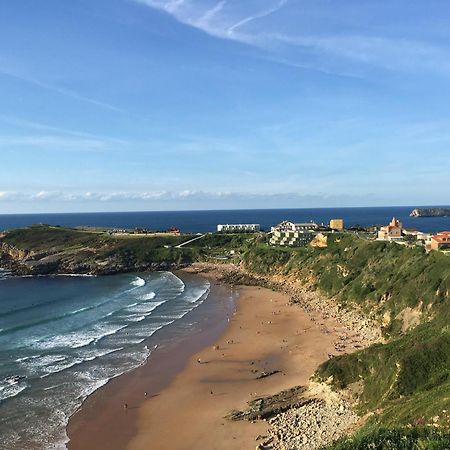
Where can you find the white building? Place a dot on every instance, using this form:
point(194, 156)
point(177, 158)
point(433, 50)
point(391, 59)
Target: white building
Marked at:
point(291, 226)
point(238, 228)
point(293, 234)
point(291, 238)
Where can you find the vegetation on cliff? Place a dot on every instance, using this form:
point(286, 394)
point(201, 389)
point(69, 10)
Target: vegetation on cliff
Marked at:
point(405, 381)
point(398, 285)
point(395, 439)
point(55, 250)
point(43, 249)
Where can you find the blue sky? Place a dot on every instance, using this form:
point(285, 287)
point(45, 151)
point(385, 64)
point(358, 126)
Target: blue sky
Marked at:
point(207, 104)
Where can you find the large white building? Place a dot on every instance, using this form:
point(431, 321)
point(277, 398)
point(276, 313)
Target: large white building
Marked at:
point(238, 228)
point(293, 234)
point(291, 226)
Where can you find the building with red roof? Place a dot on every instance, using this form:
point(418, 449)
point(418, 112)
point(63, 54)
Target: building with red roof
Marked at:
point(440, 241)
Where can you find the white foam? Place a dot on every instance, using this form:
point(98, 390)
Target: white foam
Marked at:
point(136, 318)
point(138, 282)
point(149, 296)
point(197, 294)
point(143, 308)
point(75, 275)
point(87, 356)
point(81, 310)
point(179, 283)
point(11, 389)
point(79, 339)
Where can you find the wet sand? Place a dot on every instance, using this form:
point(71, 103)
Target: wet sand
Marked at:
point(103, 422)
point(187, 400)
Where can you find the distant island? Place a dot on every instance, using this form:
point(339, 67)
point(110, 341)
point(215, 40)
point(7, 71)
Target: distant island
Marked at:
point(430, 212)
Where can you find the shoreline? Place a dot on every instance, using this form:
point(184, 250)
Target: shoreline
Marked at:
point(90, 426)
point(289, 341)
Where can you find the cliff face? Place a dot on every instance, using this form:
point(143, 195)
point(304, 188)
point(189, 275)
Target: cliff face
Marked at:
point(430, 212)
point(21, 262)
point(47, 254)
point(13, 252)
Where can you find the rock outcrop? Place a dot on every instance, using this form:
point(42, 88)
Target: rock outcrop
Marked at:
point(430, 212)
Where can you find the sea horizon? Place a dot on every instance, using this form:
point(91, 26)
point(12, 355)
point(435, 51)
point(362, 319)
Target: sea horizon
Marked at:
point(114, 211)
point(195, 221)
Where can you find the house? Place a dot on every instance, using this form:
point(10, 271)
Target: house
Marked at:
point(440, 241)
point(337, 224)
point(391, 232)
point(239, 228)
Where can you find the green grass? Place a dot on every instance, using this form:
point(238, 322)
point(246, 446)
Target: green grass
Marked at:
point(381, 277)
point(44, 238)
point(406, 380)
point(417, 438)
point(126, 250)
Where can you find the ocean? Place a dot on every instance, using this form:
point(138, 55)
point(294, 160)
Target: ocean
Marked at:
point(63, 337)
point(205, 221)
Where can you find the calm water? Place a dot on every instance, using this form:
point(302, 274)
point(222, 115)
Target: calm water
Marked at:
point(202, 221)
point(61, 338)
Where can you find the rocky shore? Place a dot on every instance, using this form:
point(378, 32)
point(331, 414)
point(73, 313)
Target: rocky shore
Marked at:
point(311, 426)
point(84, 261)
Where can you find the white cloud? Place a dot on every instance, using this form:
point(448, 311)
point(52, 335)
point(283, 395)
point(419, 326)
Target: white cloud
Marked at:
point(167, 197)
point(207, 17)
point(259, 15)
point(326, 53)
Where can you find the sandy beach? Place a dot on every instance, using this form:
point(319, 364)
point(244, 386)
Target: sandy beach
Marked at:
point(193, 387)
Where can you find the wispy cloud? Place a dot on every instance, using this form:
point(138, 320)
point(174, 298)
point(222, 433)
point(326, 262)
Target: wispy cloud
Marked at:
point(29, 124)
point(321, 51)
point(258, 15)
point(53, 142)
point(165, 196)
point(18, 75)
point(208, 17)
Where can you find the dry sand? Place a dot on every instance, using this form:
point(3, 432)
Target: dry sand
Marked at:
point(264, 334)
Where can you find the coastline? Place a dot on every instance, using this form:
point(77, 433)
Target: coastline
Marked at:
point(265, 334)
point(99, 423)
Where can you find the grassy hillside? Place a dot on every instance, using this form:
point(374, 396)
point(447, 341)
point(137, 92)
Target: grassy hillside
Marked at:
point(383, 278)
point(395, 439)
point(87, 250)
point(44, 238)
point(407, 380)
